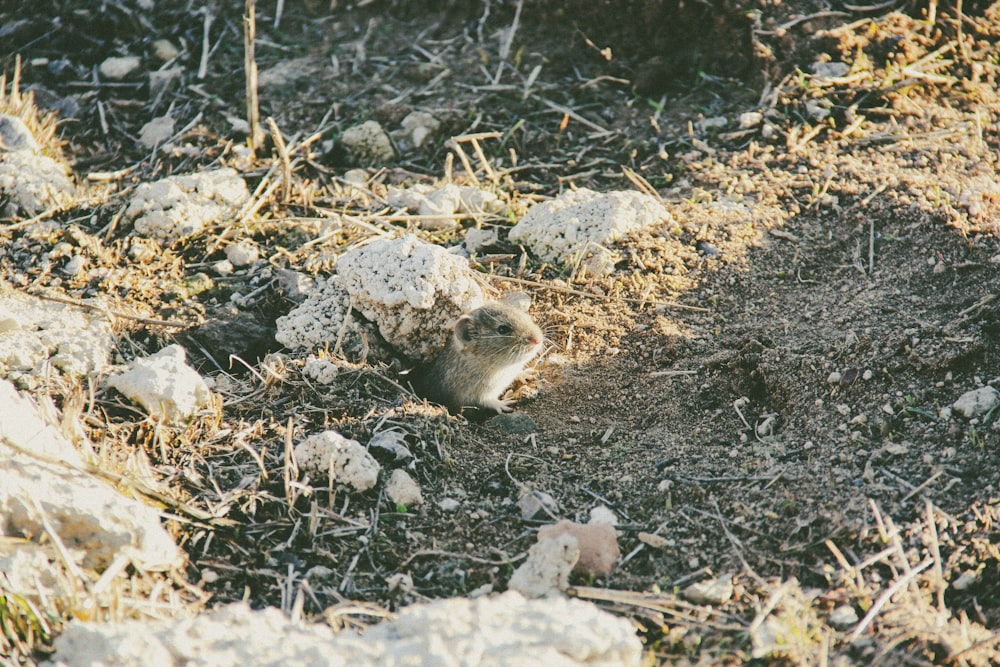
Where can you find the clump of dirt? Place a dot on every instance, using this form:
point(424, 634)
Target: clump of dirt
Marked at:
point(765, 384)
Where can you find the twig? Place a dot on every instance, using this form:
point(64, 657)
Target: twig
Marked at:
point(286, 163)
point(205, 44)
point(256, 137)
point(111, 313)
point(886, 596)
point(574, 115)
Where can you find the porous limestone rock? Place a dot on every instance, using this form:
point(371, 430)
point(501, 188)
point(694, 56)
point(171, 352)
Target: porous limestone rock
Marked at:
point(562, 229)
point(410, 289)
point(367, 144)
point(491, 630)
point(318, 322)
point(547, 568)
point(329, 454)
point(43, 487)
point(36, 334)
point(176, 207)
point(165, 385)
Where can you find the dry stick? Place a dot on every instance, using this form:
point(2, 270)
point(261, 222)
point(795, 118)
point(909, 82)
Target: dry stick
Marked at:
point(505, 48)
point(286, 164)
point(574, 115)
point(256, 137)
point(111, 313)
point(886, 596)
point(205, 44)
point(567, 290)
point(939, 583)
point(457, 147)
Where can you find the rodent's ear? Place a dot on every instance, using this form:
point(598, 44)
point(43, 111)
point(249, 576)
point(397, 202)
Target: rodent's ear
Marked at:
point(518, 300)
point(463, 330)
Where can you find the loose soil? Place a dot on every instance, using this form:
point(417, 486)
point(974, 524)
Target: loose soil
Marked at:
point(764, 382)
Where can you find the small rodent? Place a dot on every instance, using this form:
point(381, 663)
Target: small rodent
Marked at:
point(486, 352)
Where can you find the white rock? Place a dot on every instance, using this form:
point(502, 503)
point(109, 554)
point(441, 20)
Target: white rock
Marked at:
point(368, 144)
point(963, 582)
point(561, 229)
point(833, 378)
point(449, 505)
point(33, 183)
point(165, 50)
point(402, 489)
point(165, 385)
point(92, 519)
point(322, 370)
point(713, 591)
point(37, 334)
point(547, 569)
point(442, 202)
point(535, 504)
point(118, 68)
point(157, 131)
point(750, 119)
point(329, 454)
point(497, 630)
point(243, 253)
point(175, 207)
point(602, 514)
point(317, 321)
point(977, 402)
point(475, 239)
point(824, 71)
point(418, 126)
point(15, 135)
point(843, 616)
point(410, 289)
point(392, 442)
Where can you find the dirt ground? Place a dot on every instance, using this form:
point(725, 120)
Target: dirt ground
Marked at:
point(764, 382)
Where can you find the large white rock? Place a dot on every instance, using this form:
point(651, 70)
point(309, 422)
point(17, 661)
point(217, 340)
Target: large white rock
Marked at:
point(501, 630)
point(36, 334)
point(561, 229)
point(329, 454)
point(175, 207)
point(42, 487)
point(165, 385)
point(410, 289)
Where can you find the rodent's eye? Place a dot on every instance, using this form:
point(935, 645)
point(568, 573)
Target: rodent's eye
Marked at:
point(504, 330)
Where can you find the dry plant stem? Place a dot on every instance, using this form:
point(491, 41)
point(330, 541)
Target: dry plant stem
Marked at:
point(574, 115)
point(286, 163)
point(111, 313)
point(256, 137)
point(205, 43)
point(898, 585)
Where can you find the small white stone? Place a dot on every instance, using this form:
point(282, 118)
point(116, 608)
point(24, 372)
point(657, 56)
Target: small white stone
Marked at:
point(329, 454)
point(964, 581)
point(843, 616)
point(120, 67)
point(243, 253)
point(157, 131)
point(449, 505)
point(165, 50)
point(602, 514)
point(368, 144)
point(714, 591)
point(750, 119)
point(402, 489)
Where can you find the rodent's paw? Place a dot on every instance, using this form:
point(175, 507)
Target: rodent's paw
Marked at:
point(500, 404)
